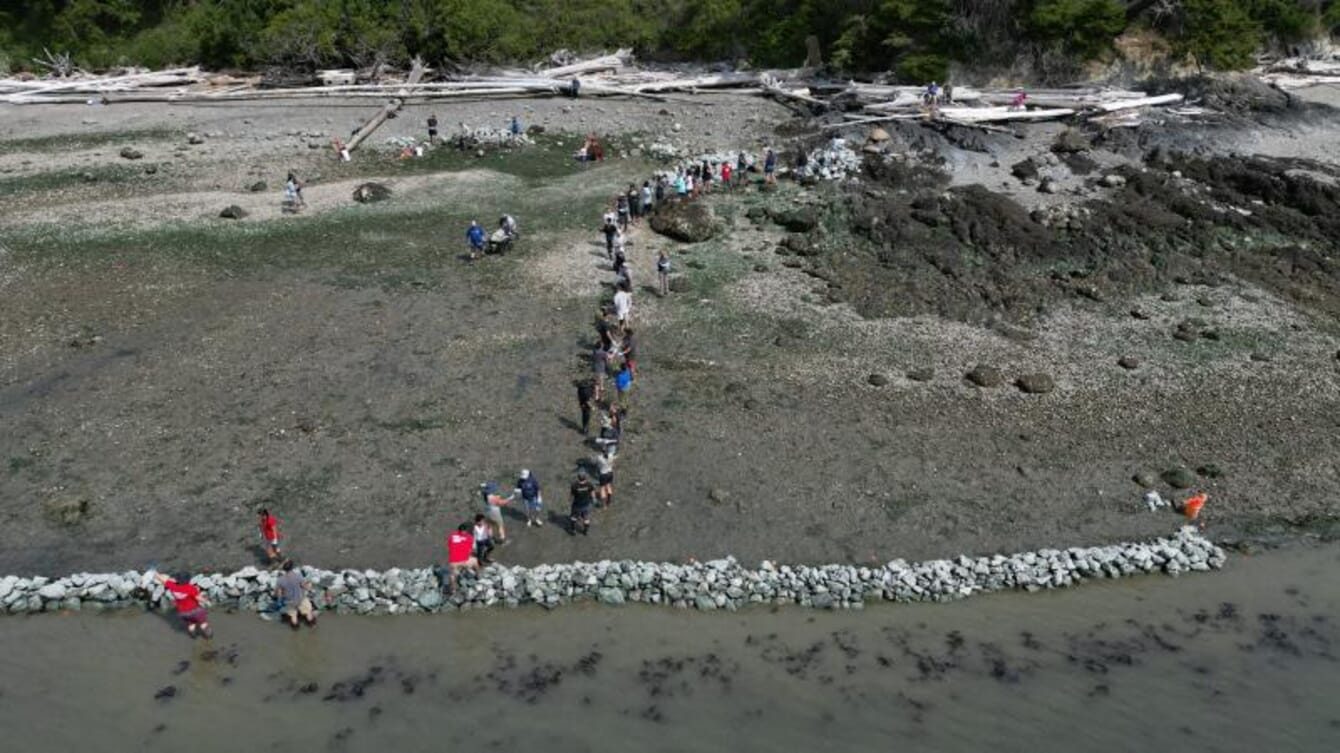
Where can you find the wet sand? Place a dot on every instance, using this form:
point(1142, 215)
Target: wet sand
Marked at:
point(1236, 661)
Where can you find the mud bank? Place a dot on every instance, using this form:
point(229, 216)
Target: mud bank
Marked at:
point(718, 584)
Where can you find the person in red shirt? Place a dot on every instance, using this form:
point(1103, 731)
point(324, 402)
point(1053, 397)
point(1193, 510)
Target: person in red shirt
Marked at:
point(190, 604)
point(726, 173)
point(460, 554)
point(270, 536)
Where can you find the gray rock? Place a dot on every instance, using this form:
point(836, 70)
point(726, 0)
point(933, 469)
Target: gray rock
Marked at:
point(1035, 384)
point(130, 152)
point(1179, 478)
point(687, 222)
point(1114, 181)
point(921, 374)
point(1129, 363)
point(877, 380)
point(52, 591)
point(233, 212)
point(985, 376)
point(613, 596)
point(370, 193)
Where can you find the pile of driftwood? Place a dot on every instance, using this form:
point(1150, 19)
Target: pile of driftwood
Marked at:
point(1300, 73)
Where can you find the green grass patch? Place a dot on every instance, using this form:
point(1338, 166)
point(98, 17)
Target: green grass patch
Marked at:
point(101, 177)
point(73, 142)
point(550, 157)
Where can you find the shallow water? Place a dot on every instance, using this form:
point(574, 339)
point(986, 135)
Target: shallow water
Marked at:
point(1240, 660)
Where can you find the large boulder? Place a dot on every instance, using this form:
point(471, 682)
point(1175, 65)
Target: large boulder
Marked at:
point(233, 212)
point(689, 222)
point(369, 193)
point(797, 219)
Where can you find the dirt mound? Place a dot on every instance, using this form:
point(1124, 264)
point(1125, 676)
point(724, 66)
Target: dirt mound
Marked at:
point(973, 254)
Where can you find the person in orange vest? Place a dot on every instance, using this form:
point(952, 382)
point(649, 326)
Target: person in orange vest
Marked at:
point(1191, 508)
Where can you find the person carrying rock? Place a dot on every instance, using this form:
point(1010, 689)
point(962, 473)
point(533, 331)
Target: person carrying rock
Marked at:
point(269, 526)
point(529, 489)
point(460, 554)
point(190, 603)
point(294, 603)
point(483, 538)
point(494, 502)
point(475, 236)
point(583, 499)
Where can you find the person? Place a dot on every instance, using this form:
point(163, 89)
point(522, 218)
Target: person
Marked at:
point(269, 526)
point(621, 206)
point(341, 151)
point(460, 554)
point(529, 489)
point(508, 225)
point(802, 161)
point(623, 383)
point(292, 590)
point(770, 167)
point(494, 502)
point(190, 602)
point(515, 127)
point(620, 245)
point(646, 195)
point(583, 499)
point(611, 431)
point(600, 359)
point(475, 235)
point(690, 184)
point(1191, 508)
point(741, 167)
point(432, 128)
point(705, 174)
point(663, 272)
point(574, 88)
point(586, 396)
point(634, 203)
point(726, 174)
point(604, 479)
point(659, 190)
point(932, 95)
point(610, 228)
point(293, 192)
point(623, 305)
point(630, 351)
point(483, 538)
point(1019, 100)
point(623, 274)
point(681, 186)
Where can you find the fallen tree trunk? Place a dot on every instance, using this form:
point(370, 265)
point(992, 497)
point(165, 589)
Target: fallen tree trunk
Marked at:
point(618, 60)
point(391, 107)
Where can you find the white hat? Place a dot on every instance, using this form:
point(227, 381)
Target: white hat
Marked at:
point(525, 473)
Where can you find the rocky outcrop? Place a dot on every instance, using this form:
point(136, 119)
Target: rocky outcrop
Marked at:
point(718, 584)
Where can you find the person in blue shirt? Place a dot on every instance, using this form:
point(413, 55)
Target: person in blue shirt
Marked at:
point(529, 489)
point(476, 237)
point(515, 127)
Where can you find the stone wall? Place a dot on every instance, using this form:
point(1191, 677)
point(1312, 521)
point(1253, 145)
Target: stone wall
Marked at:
point(718, 584)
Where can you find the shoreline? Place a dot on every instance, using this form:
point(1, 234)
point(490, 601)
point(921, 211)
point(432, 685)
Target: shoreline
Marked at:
point(705, 586)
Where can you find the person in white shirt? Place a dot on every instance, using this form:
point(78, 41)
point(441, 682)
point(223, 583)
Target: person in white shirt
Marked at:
point(623, 305)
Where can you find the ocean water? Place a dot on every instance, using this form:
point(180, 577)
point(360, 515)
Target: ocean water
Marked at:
point(1241, 660)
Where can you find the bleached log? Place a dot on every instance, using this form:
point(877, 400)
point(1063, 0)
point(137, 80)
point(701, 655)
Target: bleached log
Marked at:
point(1001, 114)
point(1131, 104)
point(614, 62)
point(387, 111)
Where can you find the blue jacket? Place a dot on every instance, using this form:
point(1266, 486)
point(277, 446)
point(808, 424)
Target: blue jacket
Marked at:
point(476, 235)
point(530, 488)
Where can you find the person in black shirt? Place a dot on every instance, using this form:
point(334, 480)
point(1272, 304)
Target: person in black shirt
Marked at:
point(432, 129)
point(586, 397)
point(583, 499)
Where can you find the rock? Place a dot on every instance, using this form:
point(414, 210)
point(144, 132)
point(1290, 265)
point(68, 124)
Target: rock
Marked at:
point(430, 599)
point(1035, 384)
point(1129, 363)
point(1179, 478)
point(67, 510)
point(1209, 470)
point(1025, 170)
point(758, 215)
point(257, 187)
point(877, 380)
point(612, 596)
point(194, 138)
point(1070, 141)
point(130, 152)
point(718, 496)
point(687, 222)
point(1048, 185)
point(985, 376)
point(797, 219)
point(1139, 314)
point(151, 169)
point(878, 136)
point(921, 374)
point(1114, 181)
point(233, 212)
point(370, 193)
point(1261, 357)
point(52, 592)
point(1145, 479)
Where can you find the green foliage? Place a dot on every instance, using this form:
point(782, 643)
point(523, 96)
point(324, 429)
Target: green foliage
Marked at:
point(1085, 28)
point(918, 39)
point(1218, 34)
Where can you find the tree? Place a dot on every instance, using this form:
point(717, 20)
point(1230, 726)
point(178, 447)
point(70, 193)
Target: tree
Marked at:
point(1218, 34)
point(1083, 28)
